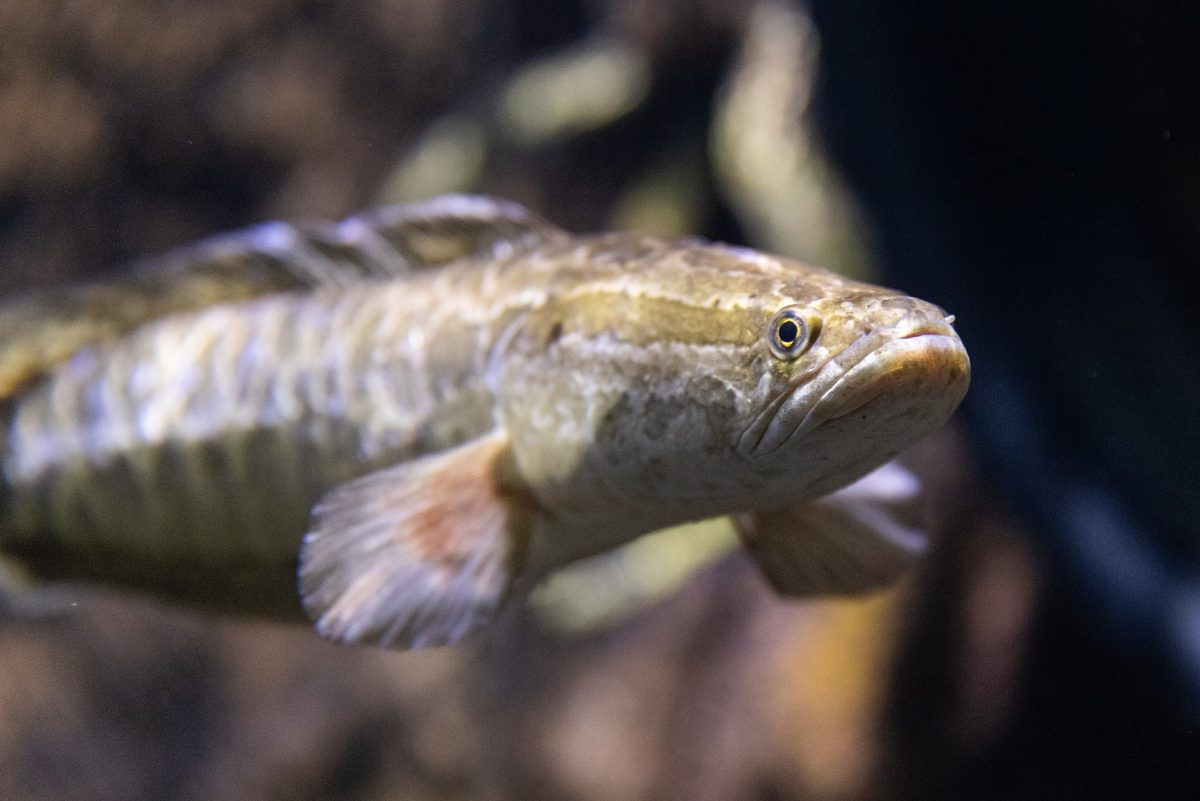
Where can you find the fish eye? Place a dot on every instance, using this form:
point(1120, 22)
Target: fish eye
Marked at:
point(788, 334)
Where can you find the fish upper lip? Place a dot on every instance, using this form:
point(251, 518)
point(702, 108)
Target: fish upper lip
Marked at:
point(863, 401)
point(814, 389)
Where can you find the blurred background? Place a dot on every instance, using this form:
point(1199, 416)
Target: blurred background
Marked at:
point(1034, 168)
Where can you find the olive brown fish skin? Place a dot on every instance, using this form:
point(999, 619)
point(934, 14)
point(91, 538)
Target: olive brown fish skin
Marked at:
point(606, 385)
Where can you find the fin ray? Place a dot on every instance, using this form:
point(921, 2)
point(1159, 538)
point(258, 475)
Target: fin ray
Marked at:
point(420, 554)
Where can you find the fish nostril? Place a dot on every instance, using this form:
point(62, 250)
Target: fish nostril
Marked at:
point(922, 322)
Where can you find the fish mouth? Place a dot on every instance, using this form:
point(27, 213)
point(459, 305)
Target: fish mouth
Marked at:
point(913, 365)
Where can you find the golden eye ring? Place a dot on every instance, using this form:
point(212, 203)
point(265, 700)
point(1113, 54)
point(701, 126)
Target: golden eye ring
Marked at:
point(788, 334)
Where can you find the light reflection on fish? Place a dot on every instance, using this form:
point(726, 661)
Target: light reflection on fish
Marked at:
point(466, 398)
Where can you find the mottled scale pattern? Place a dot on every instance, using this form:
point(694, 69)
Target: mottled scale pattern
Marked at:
point(241, 414)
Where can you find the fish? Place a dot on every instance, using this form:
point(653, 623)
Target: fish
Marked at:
point(409, 418)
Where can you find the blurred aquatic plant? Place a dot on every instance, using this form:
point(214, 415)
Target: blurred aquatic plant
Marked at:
point(767, 159)
point(579, 89)
point(668, 199)
point(606, 589)
point(449, 157)
point(551, 100)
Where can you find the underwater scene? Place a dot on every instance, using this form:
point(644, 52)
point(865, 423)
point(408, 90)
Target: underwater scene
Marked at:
point(605, 399)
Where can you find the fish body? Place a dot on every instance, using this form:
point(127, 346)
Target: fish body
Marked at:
point(466, 397)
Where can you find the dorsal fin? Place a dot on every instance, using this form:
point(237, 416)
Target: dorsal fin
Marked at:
point(386, 242)
point(452, 227)
point(41, 329)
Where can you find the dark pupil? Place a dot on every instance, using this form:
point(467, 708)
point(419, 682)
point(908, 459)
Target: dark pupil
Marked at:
point(788, 332)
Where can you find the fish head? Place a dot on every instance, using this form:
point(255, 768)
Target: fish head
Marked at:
point(701, 379)
point(852, 375)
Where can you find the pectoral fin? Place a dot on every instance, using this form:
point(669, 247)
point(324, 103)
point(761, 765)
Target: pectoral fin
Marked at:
point(856, 540)
point(420, 554)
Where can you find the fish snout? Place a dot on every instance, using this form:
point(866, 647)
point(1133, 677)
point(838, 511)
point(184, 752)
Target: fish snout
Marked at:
point(908, 372)
point(920, 373)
